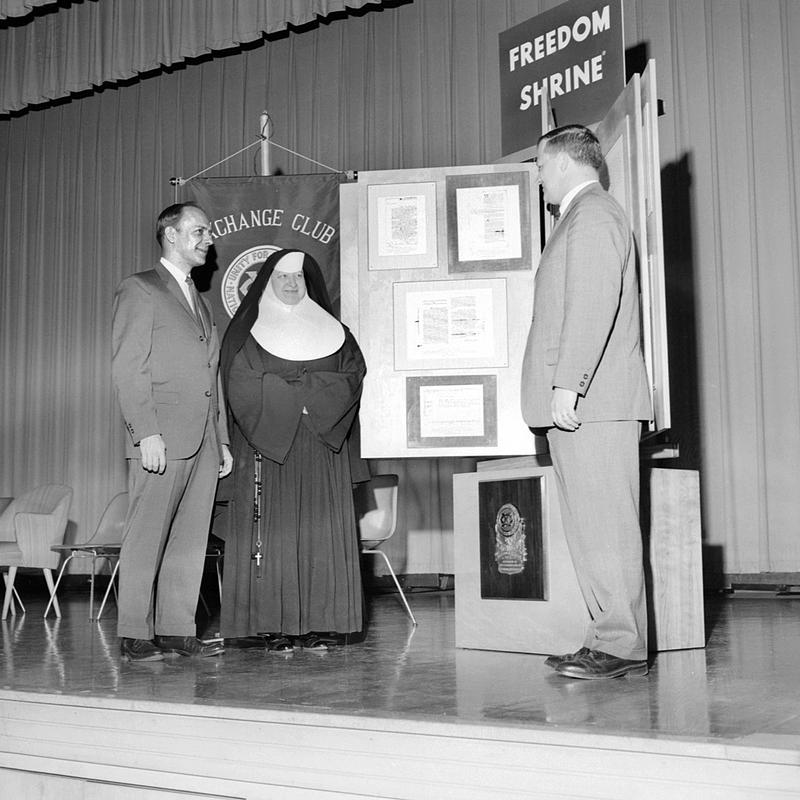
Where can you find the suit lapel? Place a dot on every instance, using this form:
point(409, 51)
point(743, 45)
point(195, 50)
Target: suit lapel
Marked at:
point(592, 187)
point(555, 234)
point(171, 285)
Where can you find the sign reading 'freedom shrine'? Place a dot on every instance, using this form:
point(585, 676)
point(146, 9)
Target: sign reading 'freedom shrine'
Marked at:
point(571, 57)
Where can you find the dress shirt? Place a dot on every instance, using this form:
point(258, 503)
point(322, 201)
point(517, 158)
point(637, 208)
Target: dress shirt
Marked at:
point(569, 196)
point(181, 277)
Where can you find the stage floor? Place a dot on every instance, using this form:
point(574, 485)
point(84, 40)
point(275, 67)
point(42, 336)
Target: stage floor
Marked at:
point(741, 691)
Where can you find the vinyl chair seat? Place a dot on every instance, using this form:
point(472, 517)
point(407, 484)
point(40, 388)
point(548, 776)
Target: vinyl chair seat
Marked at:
point(11, 555)
point(29, 526)
point(376, 511)
point(88, 550)
point(376, 526)
point(105, 544)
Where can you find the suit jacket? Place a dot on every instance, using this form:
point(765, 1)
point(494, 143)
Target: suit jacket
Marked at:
point(165, 365)
point(586, 329)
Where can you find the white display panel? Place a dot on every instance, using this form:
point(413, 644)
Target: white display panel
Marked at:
point(438, 331)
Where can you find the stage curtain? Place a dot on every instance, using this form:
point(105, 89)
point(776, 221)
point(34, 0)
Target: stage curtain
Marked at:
point(90, 44)
point(82, 181)
point(401, 86)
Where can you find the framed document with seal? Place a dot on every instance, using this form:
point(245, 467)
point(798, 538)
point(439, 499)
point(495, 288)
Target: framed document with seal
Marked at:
point(451, 410)
point(488, 222)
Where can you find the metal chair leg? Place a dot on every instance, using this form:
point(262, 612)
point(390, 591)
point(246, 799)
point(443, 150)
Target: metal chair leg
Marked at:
point(9, 579)
point(91, 586)
point(108, 560)
point(48, 577)
point(19, 600)
point(14, 595)
point(58, 582)
point(108, 589)
point(396, 582)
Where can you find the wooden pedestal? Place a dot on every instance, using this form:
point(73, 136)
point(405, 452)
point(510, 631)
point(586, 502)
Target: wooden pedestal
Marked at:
point(552, 625)
point(673, 559)
point(673, 567)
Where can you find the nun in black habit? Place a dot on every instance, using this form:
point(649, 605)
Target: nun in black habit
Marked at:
point(292, 375)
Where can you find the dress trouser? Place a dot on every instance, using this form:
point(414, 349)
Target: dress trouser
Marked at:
point(597, 474)
point(164, 544)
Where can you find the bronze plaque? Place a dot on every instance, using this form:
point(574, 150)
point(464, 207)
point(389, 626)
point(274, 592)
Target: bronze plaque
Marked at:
point(511, 539)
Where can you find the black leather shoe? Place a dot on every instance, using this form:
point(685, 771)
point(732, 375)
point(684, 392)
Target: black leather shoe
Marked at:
point(596, 665)
point(278, 643)
point(189, 646)
point(139, 650)
point(311, 641)
point(554, 661)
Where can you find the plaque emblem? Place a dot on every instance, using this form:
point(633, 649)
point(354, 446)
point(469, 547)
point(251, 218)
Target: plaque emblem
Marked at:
point(510, 552)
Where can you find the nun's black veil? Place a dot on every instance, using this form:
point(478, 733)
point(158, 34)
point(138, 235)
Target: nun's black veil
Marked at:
point(247, 313)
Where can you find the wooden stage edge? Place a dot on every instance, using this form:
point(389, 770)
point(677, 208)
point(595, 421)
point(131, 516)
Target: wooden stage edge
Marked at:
point(89, 748)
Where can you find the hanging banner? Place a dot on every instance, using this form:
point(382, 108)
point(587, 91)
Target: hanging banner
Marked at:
point(253, 217)
point(572, 56)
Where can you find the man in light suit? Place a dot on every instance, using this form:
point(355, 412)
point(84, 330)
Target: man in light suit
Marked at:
point(584, 381)
point(164, 369)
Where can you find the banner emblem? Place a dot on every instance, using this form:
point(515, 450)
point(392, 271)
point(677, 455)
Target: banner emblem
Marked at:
point(240, 274)
point(254, 217)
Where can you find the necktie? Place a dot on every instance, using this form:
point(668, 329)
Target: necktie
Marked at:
point(195, 301)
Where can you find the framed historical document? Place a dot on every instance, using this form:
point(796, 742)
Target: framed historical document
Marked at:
point(451, 324)
point(488, 222)
point(401, 225)
point(451, 411)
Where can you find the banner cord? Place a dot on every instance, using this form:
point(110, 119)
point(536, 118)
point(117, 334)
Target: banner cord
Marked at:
point(300, 155)
point(182, 181)
point(261, 138)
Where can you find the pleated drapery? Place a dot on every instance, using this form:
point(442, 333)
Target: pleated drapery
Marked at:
point(94, 43)
point(82, 182)
point(406, 85)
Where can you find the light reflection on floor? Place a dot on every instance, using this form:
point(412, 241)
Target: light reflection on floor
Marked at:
point(742, 686)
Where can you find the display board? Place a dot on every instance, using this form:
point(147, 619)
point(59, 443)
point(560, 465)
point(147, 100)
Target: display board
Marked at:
point(628, 135)
point(629, 138)
point(437, 273)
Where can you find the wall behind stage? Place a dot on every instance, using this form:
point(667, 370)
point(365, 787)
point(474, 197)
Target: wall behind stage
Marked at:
point(409, 85)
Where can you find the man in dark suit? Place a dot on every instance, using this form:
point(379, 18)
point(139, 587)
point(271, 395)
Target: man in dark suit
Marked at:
point(164, 368)
point(584, 381)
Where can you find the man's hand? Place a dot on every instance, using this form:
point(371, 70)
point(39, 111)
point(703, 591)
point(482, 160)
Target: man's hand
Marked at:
point(562, 407)
point(227, 462)
point(154, 454)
